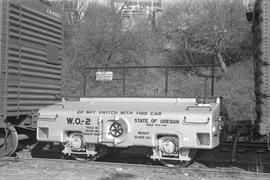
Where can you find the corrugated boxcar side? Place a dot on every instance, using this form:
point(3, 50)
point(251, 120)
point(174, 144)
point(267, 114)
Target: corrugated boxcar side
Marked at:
point(33, 64)
point(2, 58)
point(1, 78)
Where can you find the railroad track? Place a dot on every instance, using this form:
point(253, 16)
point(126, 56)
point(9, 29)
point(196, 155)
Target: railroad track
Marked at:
point(217, 161)
point(249, 156)
point(189, 171)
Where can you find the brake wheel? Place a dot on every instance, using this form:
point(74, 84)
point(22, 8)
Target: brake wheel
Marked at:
point(8, 141)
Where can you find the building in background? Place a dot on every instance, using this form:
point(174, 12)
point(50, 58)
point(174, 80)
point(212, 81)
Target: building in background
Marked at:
point(73, 10)
point(134, 11)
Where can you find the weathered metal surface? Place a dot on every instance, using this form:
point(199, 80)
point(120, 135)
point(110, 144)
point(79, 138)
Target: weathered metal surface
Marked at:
point(30, 63)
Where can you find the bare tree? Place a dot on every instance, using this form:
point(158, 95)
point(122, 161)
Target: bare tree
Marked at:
point(211, 27)
point(94, 37)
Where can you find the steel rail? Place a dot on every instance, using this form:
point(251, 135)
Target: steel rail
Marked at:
point(157, 168)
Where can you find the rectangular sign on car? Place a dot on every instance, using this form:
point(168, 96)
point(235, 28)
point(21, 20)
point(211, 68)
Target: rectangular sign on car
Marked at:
point(104, 76)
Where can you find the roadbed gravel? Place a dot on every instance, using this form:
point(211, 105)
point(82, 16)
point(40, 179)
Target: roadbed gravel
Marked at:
point(21, 169)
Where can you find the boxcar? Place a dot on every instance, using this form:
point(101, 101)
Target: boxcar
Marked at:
point(30, 65)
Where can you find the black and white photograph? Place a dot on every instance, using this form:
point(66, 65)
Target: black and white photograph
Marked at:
point(134, 89)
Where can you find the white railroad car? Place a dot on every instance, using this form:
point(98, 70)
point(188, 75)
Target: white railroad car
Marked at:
point(172, 127)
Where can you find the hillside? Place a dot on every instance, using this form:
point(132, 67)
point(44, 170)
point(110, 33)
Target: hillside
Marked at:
point(186, 33)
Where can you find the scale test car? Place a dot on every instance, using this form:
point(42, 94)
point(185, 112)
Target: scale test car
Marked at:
point(171, 127)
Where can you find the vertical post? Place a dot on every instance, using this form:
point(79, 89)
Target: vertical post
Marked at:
point(124, 82)
point(213, 77)
point(84, 81)
point(154, 19)
point(205, 90)
point(166, 81)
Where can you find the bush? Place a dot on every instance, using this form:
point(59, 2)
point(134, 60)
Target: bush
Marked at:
point(237, 89)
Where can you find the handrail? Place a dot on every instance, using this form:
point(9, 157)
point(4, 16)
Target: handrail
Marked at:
point(198, 107)
point(196, 123)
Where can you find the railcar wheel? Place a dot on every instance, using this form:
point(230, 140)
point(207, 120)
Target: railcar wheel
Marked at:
point(101, 151)
point(8, 141)
point(83, 157)
point(177, 163)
